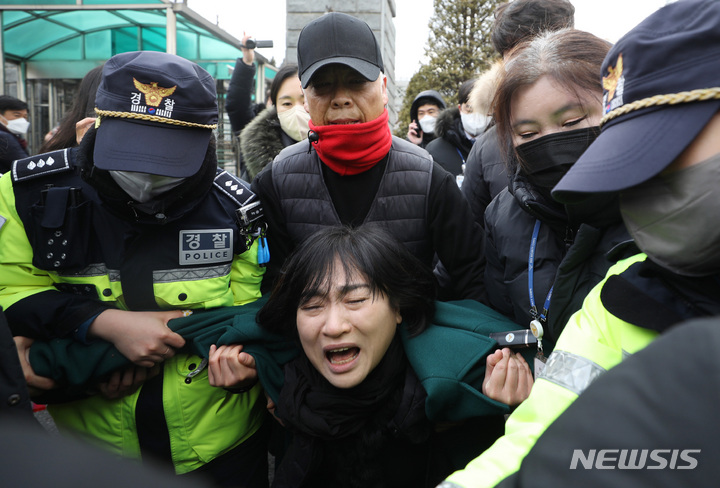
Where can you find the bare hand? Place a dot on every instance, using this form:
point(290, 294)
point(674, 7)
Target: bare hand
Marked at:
point(229, 367)
point(414, 134)
point(248, 54)
point(125, 381)
point(507, 377)
point(142, 337)
point(36, 384)
point(82, 127)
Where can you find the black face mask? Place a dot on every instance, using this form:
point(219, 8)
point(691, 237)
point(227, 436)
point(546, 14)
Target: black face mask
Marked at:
point(546, 160)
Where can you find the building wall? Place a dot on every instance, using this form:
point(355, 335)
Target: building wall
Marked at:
point(379, 16)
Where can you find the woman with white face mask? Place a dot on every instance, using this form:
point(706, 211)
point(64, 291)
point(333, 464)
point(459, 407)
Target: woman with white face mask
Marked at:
point(13, 127)
point(281, 125)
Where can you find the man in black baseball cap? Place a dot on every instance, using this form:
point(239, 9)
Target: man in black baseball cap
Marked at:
point(338, 38)
point(659, 147)
point(352, 170)
point(112, 239)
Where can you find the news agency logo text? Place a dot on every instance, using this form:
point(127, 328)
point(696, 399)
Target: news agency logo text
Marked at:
point(634, 458)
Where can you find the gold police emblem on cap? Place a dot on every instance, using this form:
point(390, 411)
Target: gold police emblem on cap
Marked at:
point(153, 93)
point(610, 82)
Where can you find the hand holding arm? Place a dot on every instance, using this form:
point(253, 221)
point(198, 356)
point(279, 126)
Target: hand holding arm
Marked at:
point(142, 337)
point(36, 384)
point(229, 367)
point(507, 377)
point(125, 381)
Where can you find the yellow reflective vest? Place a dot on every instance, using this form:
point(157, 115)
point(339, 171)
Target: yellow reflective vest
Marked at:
point(204, 422)
point(592, 342)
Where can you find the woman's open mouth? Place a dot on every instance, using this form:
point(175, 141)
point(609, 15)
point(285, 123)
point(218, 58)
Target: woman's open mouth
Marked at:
point(342, 355)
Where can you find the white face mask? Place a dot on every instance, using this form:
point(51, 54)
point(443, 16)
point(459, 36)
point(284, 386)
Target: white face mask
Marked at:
point(474, 123)
point(18, 126)
point(143, 187)
point(295, 122)
point(427, 124)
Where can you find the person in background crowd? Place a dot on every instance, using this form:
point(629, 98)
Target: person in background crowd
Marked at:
point(455, 132)
point(281, 125)
point(659, 151)
point(486, 169)
point(238, 101)
point(548, 107)
point(79, 118)
point(424, 112)
point(117, 237)
point(352, 170)
point(13, 127)
point(360, 307)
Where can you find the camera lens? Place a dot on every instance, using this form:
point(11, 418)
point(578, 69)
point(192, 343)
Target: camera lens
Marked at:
point(250, 44)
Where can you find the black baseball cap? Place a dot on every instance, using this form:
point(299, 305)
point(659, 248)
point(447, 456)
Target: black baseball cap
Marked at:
point(661, 85)
point(157, 112)
point(337, 38)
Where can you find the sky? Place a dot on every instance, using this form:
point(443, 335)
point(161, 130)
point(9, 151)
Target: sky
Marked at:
point(265, 19)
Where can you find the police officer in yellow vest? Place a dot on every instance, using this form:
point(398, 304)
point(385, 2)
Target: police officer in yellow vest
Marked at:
point(660, 149)
point(111, 240)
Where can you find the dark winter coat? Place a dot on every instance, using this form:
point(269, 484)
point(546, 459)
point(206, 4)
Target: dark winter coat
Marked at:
point(486, 174)
point(238, 104)
point(10, 149)
point(262, 140)
point(449, 230)
point(451, 146)
point(570, 252)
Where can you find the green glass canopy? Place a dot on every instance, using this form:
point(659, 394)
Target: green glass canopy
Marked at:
point(66, 38)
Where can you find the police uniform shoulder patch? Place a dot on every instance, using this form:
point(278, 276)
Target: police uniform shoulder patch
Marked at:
point(41, 165)
point(237, 189)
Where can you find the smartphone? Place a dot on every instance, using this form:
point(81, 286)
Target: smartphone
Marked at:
point(418, 131)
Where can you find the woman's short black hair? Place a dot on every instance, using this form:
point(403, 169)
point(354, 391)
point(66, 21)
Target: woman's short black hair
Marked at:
point(285, 72)
point(368, 249)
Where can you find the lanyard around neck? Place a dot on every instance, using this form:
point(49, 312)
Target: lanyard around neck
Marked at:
point(531, 265)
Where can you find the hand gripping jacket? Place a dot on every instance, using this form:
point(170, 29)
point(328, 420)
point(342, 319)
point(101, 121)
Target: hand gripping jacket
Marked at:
point(65, 256)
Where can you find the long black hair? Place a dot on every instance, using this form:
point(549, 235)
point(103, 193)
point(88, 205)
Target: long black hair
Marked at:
point(286, 71)
point(369, 250)
point(83, 106)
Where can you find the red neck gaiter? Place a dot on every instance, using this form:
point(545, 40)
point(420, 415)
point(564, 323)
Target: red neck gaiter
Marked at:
point(353, 148)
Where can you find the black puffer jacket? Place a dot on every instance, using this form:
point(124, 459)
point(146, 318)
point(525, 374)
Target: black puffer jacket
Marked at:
point(486, 174)
point(571, 252)
point(261, 140)
point(451, 146)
